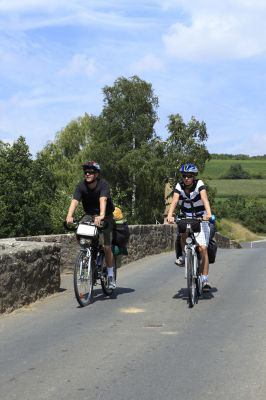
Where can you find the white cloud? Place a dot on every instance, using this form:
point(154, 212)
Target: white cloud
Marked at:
point(148, 63)
point(215, 37)
point(215, 30)
point(80, 64)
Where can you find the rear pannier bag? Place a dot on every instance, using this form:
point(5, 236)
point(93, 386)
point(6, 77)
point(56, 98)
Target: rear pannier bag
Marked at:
point(120, 234)
point(212, 250)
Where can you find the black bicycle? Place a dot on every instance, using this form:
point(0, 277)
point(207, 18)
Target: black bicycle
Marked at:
point(90, 267)
point(190, 226)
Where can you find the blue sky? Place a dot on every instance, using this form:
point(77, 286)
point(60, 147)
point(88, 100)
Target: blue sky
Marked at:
point(204, 58)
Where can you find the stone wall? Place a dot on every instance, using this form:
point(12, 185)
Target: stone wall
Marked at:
point(30, 267)
point(28, 271)
point(144, 240)
point(225, 243)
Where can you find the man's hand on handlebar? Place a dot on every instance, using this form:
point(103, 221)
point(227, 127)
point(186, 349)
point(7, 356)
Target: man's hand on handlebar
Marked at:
point(69, 220)
point(170, 220)
point(98, 220)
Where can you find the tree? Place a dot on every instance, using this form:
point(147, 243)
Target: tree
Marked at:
point(26, 190)
point(236, 172)
point(124, 141)
point(64, 157)
point(185, 144)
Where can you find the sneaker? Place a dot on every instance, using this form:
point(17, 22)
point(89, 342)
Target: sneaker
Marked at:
point(111, 282)
point(180, 261)
point(206, 287)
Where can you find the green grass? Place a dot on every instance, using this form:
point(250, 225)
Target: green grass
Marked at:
point(242, 187)
point(236, 231)
point(214, 169)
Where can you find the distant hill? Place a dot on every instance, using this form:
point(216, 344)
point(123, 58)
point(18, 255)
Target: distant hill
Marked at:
point(216, 156)
point(217, 167)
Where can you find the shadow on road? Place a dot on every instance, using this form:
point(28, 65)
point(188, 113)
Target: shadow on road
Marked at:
point(99, 296)
point(183, 294)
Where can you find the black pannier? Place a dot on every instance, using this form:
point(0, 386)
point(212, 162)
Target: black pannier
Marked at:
point(195, 225)
point(212, 250)
point(120, 234)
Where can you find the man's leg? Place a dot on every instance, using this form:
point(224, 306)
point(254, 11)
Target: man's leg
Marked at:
point(108, 255)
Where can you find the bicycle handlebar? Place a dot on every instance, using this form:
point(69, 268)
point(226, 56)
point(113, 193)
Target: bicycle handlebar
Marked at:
point(211, 219)
point(73, 227)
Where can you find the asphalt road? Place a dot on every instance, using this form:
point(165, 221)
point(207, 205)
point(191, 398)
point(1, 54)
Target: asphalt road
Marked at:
point(145, 343)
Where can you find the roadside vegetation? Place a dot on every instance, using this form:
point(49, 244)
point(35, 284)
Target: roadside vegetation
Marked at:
point(236, 231)
point(35, 193)
point(239, 182)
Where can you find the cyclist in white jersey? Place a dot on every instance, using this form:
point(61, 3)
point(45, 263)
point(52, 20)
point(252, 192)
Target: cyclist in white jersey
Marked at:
point(191, 195)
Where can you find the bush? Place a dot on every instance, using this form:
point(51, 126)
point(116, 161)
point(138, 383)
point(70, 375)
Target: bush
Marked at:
point(236, 172)
point(249, 212)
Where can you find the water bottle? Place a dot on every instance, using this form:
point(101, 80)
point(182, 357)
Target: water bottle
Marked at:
point(212, 219)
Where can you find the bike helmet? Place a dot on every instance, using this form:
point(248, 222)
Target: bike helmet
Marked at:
point(189, 169)
point(91, 165)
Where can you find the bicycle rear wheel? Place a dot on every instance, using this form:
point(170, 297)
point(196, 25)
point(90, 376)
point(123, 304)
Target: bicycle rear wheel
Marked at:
point(83, 279)
point(104, 277)
point(191, 283)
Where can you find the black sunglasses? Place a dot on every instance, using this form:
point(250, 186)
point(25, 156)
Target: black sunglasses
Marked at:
point(187, 176)
point(90, 172)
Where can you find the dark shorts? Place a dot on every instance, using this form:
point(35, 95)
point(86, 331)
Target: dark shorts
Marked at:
point(106, 236)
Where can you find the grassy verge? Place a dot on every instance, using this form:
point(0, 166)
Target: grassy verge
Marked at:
point(236, 231)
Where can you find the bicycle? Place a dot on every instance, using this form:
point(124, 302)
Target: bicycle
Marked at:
point(90, 266)
point(190, 226)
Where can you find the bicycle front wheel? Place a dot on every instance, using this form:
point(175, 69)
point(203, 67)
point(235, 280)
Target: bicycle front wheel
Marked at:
point(191, 284)
point(104, 277)
point(83, 279)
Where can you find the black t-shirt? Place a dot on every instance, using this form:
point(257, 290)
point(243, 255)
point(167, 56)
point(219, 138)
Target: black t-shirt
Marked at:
point(90, 198)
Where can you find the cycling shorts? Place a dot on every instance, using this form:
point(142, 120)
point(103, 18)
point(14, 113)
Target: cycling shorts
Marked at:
point(203, 237)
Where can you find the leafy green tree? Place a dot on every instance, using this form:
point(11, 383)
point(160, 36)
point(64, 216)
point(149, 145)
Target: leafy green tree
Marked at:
point(125, 144)
point(185, 144)
point(64, 157)
point(26, 190)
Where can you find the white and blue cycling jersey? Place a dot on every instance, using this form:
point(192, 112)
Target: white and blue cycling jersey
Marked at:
point(196, 208)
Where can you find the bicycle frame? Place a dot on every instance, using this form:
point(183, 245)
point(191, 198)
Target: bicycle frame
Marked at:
point(90, 266)
point(192, 263)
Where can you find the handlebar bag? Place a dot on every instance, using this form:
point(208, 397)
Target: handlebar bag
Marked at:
point(194, 223)
point(87, 230)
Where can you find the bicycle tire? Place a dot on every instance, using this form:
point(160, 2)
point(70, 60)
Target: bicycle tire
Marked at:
point(198, 280)
point(83, 279)
point(104, 277)
point(191, 284)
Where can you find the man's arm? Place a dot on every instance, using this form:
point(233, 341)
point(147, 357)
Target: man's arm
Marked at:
point(103, 202)
point(170, 218)
point(73, 205)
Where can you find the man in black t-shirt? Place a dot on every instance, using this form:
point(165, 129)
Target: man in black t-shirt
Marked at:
point(94, 193)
